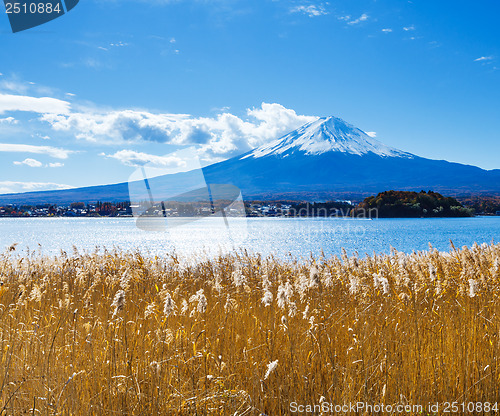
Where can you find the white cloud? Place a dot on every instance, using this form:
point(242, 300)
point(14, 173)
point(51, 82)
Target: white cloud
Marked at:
point(363, 18)
point(409, 28)
point(43, 105)
point(372, 134)
point(55, 152)
point(13, 85)
point(132, 158)
point(387, 30)
point(32, 163)
point(224, 135)
point(9, 120)
point(484, 58)
point(311, 11)
point(43, 137)
point(173, 40)
point(217, 137)
point(92, 63)
point(10, 187)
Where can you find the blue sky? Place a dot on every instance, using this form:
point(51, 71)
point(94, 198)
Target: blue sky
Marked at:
point(86, 98)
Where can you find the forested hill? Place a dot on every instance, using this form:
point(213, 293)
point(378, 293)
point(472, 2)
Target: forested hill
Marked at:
point(402, 204)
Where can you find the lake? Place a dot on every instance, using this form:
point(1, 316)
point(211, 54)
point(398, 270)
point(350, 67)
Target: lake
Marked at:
point(277, 236)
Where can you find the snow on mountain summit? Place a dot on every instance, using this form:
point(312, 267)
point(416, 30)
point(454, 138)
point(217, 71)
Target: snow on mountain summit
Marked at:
point(327, 134)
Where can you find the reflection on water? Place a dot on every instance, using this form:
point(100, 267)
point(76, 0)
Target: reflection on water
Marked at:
point(300, 237)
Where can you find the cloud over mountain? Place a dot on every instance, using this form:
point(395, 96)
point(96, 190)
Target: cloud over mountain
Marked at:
point(223, 135)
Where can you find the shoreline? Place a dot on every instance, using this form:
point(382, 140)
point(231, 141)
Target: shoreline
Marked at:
point(255, 217)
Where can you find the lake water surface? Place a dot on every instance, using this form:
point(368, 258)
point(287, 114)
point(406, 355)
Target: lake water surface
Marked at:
point(277, 236)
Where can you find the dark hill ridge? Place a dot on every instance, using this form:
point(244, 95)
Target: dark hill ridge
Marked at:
point(401, 204)
point(320, 160)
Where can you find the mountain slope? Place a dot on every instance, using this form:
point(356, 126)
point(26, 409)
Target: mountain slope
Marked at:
point(329, 156)
point(322, 159)
point(327, 134)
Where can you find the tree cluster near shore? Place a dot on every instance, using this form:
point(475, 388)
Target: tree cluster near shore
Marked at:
point(403, 204)
point(484, 205)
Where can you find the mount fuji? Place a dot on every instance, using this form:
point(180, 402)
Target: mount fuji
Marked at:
point(327, 158)
point(327, 134)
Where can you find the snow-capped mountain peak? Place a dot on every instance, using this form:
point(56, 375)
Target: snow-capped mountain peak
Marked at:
point(327, 134)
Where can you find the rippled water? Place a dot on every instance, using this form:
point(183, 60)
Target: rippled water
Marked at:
point(300, 237)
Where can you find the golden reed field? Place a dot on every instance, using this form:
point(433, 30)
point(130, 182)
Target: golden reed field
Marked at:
point(120, 334)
